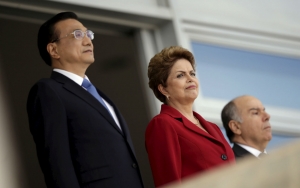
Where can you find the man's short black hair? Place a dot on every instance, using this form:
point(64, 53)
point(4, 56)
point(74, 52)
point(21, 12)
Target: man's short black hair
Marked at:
point(47, 33)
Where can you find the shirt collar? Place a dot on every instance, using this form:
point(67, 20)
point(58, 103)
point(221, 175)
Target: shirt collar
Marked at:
point(77, 79)
point(252, 150)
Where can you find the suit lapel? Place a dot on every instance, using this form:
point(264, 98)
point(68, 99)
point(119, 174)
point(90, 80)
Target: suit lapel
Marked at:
point(122, 121)
point(212, 133)
point(125, 129)
point(241, 152)
point(209, 128)
point(77, 90)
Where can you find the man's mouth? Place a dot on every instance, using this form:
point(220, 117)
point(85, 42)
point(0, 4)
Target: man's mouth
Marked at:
point(87, 51)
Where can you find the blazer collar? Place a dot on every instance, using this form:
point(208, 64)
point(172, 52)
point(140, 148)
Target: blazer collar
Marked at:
point(77, 90)
point(249, 149)
point(212, 133)
point(241, 152)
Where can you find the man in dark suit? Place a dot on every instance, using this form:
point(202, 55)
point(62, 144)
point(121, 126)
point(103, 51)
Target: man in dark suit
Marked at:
point(247, 126)
point(81, 138)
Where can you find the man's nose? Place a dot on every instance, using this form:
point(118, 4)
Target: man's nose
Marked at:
point(267, 116)
point(87, 41)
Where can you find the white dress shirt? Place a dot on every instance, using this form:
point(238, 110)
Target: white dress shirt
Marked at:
point(252, 150)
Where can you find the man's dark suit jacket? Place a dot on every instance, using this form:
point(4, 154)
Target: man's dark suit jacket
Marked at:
point(78, 143)
point(240, 152)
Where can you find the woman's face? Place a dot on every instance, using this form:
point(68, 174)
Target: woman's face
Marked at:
point(182, 84)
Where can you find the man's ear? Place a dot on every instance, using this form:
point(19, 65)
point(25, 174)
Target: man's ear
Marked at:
point(163, 90)
point(52, 50)
point(235, 127)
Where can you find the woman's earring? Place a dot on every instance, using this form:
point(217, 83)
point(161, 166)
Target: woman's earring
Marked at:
point(168, 97)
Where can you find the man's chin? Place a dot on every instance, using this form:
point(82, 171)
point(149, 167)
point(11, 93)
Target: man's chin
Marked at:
point(90, 61)
point(269, 137)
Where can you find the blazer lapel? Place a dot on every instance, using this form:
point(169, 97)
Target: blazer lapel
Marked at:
point(125, 129)
point(209, 128)
point(240, 152)
point(212, 134)
point(77, 90)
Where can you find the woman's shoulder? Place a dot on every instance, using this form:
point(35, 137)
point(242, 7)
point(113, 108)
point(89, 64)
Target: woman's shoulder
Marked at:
point(162, 124)
point(163, 120)
point(162, 117)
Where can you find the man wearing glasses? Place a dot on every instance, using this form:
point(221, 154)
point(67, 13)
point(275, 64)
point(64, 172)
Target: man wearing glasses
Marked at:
point(81, 138)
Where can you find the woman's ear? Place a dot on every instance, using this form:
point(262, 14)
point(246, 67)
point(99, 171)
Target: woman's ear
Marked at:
point(235, 127)
point(53, 51)
point(163, 90)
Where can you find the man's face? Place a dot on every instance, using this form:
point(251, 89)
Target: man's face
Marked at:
point(255, 125)
point(73, 51)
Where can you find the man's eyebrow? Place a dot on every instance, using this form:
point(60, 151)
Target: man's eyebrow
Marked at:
point(258, 109)
point(84, 29)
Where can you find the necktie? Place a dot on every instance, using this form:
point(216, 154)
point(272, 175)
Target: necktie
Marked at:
point(92, 90)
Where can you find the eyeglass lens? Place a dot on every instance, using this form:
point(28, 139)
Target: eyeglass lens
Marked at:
point(80, 34)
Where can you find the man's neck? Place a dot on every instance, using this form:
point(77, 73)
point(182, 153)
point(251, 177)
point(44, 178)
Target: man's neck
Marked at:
point(80, 71)
point(251, 150)
point(260, 147)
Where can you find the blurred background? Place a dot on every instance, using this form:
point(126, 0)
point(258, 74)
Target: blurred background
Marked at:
point(241, 47)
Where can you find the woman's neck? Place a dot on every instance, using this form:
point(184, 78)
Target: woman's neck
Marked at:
point(185, 109)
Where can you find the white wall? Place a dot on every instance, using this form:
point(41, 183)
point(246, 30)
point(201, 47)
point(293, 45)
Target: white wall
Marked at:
point(152, 8)
point(276, 16)
point(263, 26)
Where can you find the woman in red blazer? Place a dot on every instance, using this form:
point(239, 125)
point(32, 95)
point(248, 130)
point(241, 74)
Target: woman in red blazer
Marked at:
point(179, 141)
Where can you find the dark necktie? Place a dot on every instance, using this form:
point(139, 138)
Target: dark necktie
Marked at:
point(92, 90)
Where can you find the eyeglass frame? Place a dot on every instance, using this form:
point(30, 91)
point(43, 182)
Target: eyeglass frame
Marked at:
point(84, 34)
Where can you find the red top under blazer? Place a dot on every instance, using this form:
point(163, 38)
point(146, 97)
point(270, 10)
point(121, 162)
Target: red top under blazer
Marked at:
point(178, 148)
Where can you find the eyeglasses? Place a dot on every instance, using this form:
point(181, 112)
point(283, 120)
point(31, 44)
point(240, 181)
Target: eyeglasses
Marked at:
point(78, 34)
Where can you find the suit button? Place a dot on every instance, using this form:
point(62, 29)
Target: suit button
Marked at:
point(224, 157)
point(134, 165)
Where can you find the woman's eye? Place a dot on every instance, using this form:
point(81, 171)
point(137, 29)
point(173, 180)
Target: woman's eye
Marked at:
point(193, 74)
point(179, 75)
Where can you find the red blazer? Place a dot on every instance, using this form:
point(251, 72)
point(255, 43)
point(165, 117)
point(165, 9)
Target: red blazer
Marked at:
point(178, 148)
